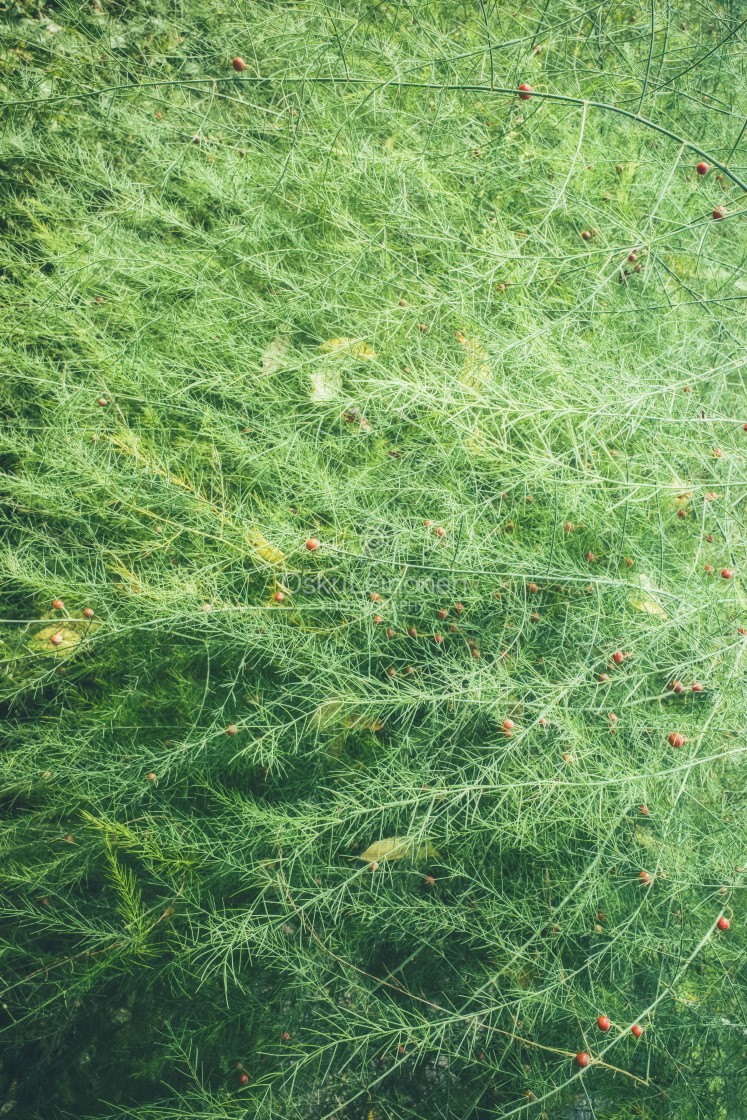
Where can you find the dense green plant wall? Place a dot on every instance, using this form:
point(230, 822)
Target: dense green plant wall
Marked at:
point(372, 561)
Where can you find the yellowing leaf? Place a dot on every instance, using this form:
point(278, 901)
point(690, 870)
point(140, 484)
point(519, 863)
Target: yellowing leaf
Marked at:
point(355, 346)
point(264, 548)
point(647, 600)
point(273, 358)
point(398, 847)
point(70, 634)
point(476, 370)
point(326, 383)
point(362, 723)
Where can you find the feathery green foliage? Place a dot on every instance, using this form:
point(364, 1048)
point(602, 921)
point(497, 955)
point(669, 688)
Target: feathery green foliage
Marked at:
point(269, 846)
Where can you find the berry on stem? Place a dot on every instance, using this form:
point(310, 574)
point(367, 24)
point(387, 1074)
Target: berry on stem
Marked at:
point(525, 91)
point(636, 1030)
point(677, 739)
point(279, 596)
point(726, 573)
point(702, 168)
point(312, 544)
point(582, 1059)
point(88, 612)
point(56, 639)
point(603, 1023)
point(238, 64)
point(646, 878)
point(58, 604)
point(723, 923)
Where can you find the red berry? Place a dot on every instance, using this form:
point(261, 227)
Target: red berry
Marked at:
point(102, 402)
point(437, 639)
point(612, 717)
point(676, 686)
point(644, 810)
point(238, 64)
point(279, 596)
point(568, 526)
point(375, 597)
point(390, 633)
point(409, 670)
point(600, 916)
point(636, 1031)
point(56, 639)
point(88, 612)
point(726, 573)
point(458, 607)
point(442, 613)
point(696, 687)
point(585, 234)
point(723, 923)
point(508, 724)
point(681, 513)
point(286, 1036)
point(677, 739)
point(590, 557)
point(244, 1079)
point(151, 777)
point(633, 257)
point(709, 538)
point(232, 729)
point(427, 524)
point(205, 608)
point(618, 657)
point(645, 878)
point(718, 453)
point(412, 631)
point(475, 653)
point(58, 604)
point(440, 532)
point(702, 168)
point(390, 672)
point(582, 1059)
point(422, 328)
point(603, 678)
point(532, 588)
point(709, 569)
point(312, 544)
point(525, 91)
point(543, 721)
point(603, 1023)
point(717, 214)
point(377, 619)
